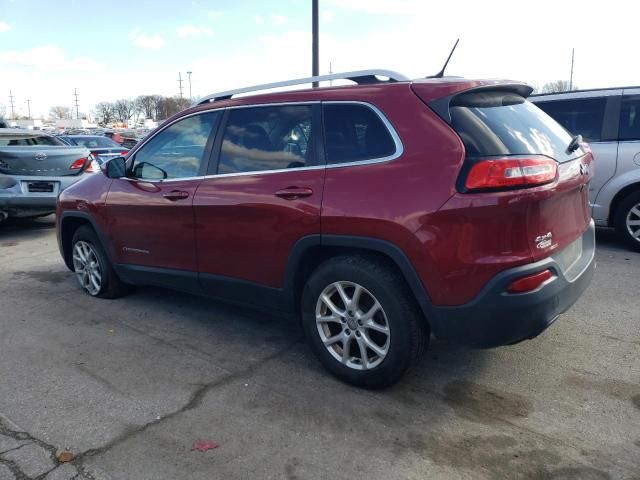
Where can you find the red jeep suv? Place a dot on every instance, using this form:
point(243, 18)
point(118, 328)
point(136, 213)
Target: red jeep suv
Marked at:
point(379, 213)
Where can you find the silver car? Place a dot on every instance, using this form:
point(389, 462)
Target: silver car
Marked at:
point(609, 119)
point(34, 168)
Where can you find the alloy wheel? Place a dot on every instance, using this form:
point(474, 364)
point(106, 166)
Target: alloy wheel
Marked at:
point(87, 267)
point(353, 325)
point(633, 222)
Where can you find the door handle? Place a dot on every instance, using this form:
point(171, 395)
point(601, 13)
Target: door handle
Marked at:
point(293, 193)
point(176, 195)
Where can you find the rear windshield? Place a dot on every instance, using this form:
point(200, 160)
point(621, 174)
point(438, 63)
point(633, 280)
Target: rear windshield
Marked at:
point(25, 140)
point(94, 142)
point(501, 123)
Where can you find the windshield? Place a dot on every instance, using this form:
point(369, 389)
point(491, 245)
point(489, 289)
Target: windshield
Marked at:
point(502, 124)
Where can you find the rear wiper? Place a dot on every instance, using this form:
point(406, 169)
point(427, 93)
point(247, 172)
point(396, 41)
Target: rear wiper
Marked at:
point(574, 144)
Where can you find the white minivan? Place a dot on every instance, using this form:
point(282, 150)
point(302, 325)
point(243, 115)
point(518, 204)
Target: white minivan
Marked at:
point(609, 119)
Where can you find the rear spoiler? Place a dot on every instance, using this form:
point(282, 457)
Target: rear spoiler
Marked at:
point(441, 105)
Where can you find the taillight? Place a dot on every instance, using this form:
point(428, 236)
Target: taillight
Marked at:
point(511, 172)
point(124, 153)
point(93, 167)
point(530, 282)
point(79, 163)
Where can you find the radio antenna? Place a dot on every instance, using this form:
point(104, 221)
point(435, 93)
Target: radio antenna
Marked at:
point(440, 74)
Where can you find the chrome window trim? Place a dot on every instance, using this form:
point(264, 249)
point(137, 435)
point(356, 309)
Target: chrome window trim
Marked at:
point(390, 128)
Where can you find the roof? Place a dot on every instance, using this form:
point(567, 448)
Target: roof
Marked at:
point(22, 132)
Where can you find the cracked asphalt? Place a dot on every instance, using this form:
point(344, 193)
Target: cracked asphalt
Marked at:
point(129, 385)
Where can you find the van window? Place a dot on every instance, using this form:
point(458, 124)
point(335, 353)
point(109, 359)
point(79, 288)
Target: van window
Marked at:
point(630, 118)
point(501, 124)
point(355, 132)
point(267, 138)
point(580, 116)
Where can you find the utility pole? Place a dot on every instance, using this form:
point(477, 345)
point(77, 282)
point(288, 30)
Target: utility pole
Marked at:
point(330, 72)
point(315, 42)
point(11, 98)
point(75, 94)
point(190, 96)
point(180, 83)
point(29, 107)
point(571, 77)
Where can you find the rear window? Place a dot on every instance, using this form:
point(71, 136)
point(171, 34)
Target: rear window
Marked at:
point(580, 116)
point(95, 142)
point(502, 124)
point(355, 132)
point(25, 140)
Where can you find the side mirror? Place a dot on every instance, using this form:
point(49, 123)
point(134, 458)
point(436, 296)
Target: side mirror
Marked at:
point(115, 168)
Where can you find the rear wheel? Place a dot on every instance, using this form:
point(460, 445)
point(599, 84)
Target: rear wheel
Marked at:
point(627, 220)
point(92, 268)
point(362, 322)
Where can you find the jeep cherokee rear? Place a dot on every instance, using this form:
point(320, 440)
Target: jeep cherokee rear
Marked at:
point(380, 213)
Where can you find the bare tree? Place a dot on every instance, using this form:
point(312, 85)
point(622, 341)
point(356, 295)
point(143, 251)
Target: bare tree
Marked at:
point(557, 87)
point(105, 111)
point(60, 112)
point(124, 109)
point(146, 105)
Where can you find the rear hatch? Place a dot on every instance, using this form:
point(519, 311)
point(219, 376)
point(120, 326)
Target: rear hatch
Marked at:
point(515, 150)
point(29, 153)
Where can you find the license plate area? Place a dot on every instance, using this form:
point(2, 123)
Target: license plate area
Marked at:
point(568, 257)
point(41, 187)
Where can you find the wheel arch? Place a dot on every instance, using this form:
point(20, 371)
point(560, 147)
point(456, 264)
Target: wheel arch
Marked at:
point(619, 198)
point(310, 252)
point(69, 224)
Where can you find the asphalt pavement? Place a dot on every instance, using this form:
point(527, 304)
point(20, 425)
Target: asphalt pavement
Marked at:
point(129, 386)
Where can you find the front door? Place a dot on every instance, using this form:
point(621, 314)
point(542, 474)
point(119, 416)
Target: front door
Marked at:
point(264, 196)
point(150, 211)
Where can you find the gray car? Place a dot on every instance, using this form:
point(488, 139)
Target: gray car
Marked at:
point(34, 168)
point(609, 119)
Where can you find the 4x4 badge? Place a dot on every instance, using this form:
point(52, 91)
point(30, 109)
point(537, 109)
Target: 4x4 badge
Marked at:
point(584, 169)
point(544, 241)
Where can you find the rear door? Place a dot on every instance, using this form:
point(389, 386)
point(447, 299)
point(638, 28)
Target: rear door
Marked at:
point(629, 135)
point(262, 196)
point(150, 212)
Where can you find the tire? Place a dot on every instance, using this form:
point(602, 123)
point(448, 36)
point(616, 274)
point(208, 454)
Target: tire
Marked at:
point(627, 220)
point(89, 258)
point(400, 347)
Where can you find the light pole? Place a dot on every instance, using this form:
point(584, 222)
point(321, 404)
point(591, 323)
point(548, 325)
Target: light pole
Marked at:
point(190, 96)
point(315, 47)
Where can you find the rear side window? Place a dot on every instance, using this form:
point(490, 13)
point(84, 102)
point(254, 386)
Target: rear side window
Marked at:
point(355, 132)
point(503, 124)
point(267, 138)
point(580, 116)
point(630, 118)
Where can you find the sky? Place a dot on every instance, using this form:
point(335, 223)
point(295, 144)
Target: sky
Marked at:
point(122, 49)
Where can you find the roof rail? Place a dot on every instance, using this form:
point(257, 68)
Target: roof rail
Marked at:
point(361, 77)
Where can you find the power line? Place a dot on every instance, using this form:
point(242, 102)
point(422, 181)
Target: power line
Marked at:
point(180, 83)
point(75, 94)
point(11, 98)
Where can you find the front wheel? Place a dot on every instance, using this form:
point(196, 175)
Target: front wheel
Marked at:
point(362, 322)
point(627, 220)
point(92, 268)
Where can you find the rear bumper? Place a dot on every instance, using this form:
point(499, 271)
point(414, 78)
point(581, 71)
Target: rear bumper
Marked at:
point(496, 317)
point(16, 200)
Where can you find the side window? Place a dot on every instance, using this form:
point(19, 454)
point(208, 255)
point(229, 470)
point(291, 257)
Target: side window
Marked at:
point(267, 138)
point(583, 116)
point(630, 118)
point(355, 132)
point(178, 150)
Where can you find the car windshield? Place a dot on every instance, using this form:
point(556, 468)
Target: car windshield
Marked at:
point(95, 142)
point(10, 140)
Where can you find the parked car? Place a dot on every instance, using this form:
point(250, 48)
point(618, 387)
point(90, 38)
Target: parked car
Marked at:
point(127, 141)
point(34, 168)
point(609, 119)
point(102, 148)
point(379, 213)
